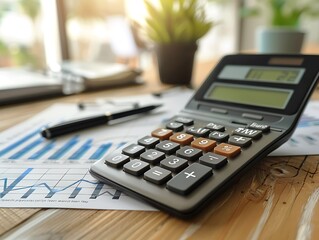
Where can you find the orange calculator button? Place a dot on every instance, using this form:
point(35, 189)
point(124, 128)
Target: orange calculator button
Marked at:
point(182, 138)
point(204, 144)
point(162, 133)
point(227, 150)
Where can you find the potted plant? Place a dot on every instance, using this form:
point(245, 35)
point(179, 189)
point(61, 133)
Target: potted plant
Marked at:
point(175, 26)
point(283, 34)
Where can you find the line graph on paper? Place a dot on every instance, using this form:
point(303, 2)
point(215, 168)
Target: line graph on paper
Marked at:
point(60, 186)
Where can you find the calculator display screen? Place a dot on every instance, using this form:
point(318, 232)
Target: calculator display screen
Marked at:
point(250, 95)
point(286, 75)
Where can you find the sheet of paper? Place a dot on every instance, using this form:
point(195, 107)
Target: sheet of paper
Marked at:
point(35, 172)
point(305, 139)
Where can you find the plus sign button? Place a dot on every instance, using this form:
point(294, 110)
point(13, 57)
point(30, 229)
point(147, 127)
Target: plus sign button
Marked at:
point(190, 178)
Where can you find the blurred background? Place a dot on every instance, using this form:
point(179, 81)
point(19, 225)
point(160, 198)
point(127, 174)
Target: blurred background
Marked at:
point(42, 33)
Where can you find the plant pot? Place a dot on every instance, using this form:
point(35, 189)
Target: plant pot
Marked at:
point(279, 40)
point(175, 62)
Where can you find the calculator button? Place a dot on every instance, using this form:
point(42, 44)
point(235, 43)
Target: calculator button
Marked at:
point(162, 133)
point(204, 144)
point(218, 136)
point(174, 164)
point(148, 141)
point(240, 141)
point(219, 110)
point(152, 156)
point(157, 175)
point(133, 150)
point(175, 126)
point(245, 132)
point(117, 160)
point(213, 160)
point(185, 121)
point(182, 138)
point(187, 180)
point(215, 127)
point(262, 127)
point(252, 116)
point(167, 147)
point(136, 167)
point(189, 153)
point(227, 150)
point(198, 132)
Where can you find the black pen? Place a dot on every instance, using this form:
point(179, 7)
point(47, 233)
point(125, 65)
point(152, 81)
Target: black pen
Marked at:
point(92, 121)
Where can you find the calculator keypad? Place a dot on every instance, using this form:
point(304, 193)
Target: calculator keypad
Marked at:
point(186, 153)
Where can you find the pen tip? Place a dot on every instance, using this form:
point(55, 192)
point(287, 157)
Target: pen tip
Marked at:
point(45, 133)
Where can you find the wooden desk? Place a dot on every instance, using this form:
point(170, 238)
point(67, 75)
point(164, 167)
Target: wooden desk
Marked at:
point(275, 200)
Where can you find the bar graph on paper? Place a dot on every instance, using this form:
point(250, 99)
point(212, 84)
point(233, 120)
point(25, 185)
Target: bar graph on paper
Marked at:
point(33, 147)
point(40, 173)
point(59, 186)
point(24, 142)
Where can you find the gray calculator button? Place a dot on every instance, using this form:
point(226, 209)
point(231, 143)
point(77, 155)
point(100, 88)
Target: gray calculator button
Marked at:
point(133, 150)
point(198, 132)
point(246, 132)
point(218, 136)
point(175, 126)
point(152, 156)
point(189, 153)
point(215, 127)
point(148, 141)
point(136, 167)
point(219, 110)
point(167, 147)
point(213, 160)
point(174, 164)
point(185, 121)
point(157, 175)
point(240, 141)
point(116, 160)
point(257, 126)
point(188, 179)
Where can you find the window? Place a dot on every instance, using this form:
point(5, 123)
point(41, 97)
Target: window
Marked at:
point(21, 41)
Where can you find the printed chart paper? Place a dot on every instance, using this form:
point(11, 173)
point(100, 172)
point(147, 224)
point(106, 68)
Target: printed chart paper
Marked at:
point(305, 139)
point(40, 173)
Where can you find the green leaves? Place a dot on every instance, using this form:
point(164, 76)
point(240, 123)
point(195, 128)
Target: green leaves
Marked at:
point(284, 12)
point(176, 21)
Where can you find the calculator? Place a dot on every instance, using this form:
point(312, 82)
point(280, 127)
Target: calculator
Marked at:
point(248, 106)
